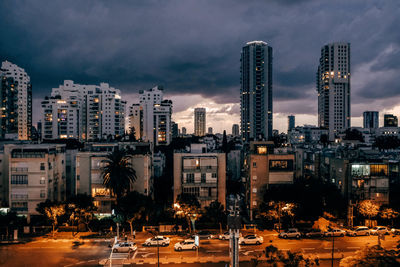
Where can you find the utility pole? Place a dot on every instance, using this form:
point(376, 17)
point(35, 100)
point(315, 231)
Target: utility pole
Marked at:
point(234, 224)
point(333, 246)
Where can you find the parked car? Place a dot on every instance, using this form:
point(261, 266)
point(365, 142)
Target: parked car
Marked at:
point(360, 230)
point(379, 230)
point(395, 231)
point(124, 247)
point(290, 233)
point(314, 233)
point(157, 240)
point(251, 240)
point(335, 232)
point(224, 236)
point(205, 235)
point(187, 244)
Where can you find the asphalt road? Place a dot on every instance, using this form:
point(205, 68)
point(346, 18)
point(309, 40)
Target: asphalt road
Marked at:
point(45, 253)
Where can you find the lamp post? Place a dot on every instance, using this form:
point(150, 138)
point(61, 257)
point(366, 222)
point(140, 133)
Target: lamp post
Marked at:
point(155, 235)
point(333, 246)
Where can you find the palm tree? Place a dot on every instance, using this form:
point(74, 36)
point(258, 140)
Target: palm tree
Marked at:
point(118, 173)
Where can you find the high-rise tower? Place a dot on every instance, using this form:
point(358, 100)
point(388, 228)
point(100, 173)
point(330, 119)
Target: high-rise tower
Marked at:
point(333, 87)
point(256, 91)
point(16, 102)
point(199, 121)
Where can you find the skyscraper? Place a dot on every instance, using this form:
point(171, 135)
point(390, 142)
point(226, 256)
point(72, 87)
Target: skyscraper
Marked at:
point(291, 122)
point(16, 102)
point(184, 131)
point(199, 121)
point(371, 119)
point(175, 129)
point(210, 130)
point(389, 120)
point(333, 87)
point(235, 129)
point(256, 91)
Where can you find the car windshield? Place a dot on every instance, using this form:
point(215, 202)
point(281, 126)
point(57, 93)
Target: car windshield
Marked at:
point(375, 228)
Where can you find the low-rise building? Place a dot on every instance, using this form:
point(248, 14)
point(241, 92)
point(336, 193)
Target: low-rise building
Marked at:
point(201, 174)
point(264, 169)
point(35, 172)
point(89, 164)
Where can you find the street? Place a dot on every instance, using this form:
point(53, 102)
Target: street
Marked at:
point(64, 252)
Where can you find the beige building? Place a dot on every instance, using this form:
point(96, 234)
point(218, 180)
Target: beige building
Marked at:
point(265, 169)
point(35, 173)
point(89, 167)
point(200, 174)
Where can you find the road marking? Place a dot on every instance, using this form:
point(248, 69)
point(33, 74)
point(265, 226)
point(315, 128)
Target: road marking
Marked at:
point(353, 247)
point(308, 248)
point(134, 255)
point(213, 251)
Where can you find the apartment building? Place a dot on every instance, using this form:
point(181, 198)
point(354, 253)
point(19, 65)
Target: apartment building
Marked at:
point(15, 102)
point(201, 174)
point(85, 112)
point(265, 169)
point(35, 172)
point(89, 164)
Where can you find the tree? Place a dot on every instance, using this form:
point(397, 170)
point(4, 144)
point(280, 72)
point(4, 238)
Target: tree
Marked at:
point(353, 134)
point(215, 213)
point(53, 213)
point(368, 209)
point(370, 257)
point(134, 206)
point(81, 210)
point(118, 174)
point(389, 214)
point(384, 142)
point(187, 206)
point(224, 147)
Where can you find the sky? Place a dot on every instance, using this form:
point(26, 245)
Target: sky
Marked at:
point(192, 48)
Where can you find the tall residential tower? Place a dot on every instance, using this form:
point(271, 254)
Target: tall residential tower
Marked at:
point(199, 121)
point(16, 102)
point(333, 87)
point(256, 91)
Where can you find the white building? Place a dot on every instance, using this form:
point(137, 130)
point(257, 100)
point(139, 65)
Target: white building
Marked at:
point(85, 112)
point(333, 87)
point(35, 173)
point(23, 106)
point(136, 120)
point(154, 117)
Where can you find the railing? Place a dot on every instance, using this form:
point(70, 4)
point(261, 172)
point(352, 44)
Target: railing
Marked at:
point(19, 169)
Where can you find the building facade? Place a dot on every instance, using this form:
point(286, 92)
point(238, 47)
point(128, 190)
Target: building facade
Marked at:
point(333, 87)
point(200, 174)
point(389, 120)
point(371, 119)
point(16, 102)
point(265, 169)
point(256, 91)
point(35, 173)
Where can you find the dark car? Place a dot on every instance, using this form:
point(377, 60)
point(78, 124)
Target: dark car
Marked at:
point(205, 235)
point(314, 233)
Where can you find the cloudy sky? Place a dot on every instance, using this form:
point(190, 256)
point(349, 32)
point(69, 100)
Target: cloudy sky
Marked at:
point(192, 48)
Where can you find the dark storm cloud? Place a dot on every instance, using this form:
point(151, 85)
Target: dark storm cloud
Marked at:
point(193, 47)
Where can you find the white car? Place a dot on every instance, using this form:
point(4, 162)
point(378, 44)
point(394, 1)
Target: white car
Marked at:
point(335, 232)
point(157, 240)
point(360, 230)
point(224, 236)
point(187, 244)
point(379, 230)
point(290, 233)
point(124, 247)
point(251, 240)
